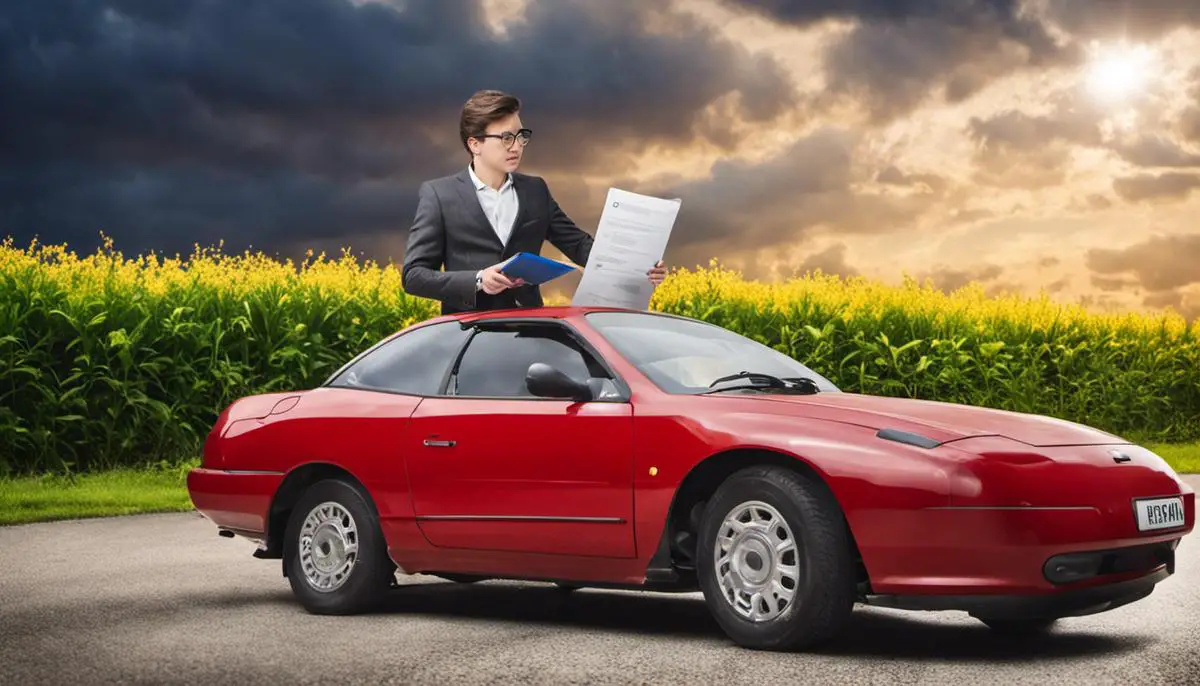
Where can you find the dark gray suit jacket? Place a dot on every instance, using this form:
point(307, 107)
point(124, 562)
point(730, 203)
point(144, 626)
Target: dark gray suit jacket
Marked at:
point(450, 230)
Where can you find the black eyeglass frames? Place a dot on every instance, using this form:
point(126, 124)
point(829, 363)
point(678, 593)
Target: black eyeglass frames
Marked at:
point(508, 137)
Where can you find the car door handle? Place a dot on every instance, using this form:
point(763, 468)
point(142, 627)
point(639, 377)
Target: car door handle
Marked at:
point(432, 443)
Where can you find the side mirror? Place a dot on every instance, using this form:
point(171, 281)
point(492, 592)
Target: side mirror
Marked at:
point(547, 382)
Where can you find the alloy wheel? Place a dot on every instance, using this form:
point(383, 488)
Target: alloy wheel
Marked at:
point(757, 561)
point(328, 546)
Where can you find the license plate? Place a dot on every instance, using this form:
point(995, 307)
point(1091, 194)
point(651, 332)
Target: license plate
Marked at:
point(1159, 513)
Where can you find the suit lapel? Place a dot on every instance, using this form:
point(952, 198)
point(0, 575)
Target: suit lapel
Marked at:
point(466, 193)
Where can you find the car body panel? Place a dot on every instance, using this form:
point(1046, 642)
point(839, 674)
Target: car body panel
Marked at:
point(545, 476)
point(234, 500)
point(943, 421)
point(562, 490)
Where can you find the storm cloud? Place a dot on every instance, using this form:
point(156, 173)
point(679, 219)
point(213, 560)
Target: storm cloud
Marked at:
point(265, 121)
point(1162, 265)
point(900, 53)
point(1131, 19)
point(997, 141)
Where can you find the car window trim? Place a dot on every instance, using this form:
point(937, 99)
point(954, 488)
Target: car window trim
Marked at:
point(624, 394)
point(328, 383)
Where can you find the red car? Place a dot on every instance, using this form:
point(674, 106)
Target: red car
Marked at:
point(638, 450)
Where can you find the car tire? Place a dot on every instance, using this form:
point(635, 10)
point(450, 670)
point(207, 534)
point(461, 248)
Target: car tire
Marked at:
point(818, 567)
point(327, 575)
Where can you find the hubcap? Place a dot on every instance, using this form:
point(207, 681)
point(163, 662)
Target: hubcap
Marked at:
point(756, 561)
point(328, 546)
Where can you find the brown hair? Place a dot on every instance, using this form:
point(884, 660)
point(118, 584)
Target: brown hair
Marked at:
point(483, 108)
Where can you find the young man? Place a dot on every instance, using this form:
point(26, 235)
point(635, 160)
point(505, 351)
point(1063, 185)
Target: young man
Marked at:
point(472, 221)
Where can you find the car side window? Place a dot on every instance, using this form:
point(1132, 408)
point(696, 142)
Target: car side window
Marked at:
point(495, 361)
point(414, 362)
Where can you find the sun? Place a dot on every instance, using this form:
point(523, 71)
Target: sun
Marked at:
point(1118, 72)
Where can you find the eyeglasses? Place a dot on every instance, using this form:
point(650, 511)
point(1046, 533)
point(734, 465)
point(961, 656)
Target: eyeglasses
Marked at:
point(508, 137)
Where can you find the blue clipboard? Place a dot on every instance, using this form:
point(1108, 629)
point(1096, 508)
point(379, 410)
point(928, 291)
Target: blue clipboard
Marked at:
point(534, 269)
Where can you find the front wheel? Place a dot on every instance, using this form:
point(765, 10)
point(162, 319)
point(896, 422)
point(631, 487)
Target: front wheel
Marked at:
point(337, 559)
point(775, 561)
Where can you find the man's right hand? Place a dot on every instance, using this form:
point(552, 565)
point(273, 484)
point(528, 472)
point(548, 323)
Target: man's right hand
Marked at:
point(494, 281)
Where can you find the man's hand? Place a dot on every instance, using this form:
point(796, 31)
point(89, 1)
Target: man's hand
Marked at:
point(494, 281)
point(658, 273)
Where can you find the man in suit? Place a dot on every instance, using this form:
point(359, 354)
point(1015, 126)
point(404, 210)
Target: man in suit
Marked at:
point(472, 221)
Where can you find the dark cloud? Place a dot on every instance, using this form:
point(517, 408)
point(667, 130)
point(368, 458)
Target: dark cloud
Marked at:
point(899, 53)
point(1122, 19)
point(950, 279)
point(1156, 150)
point(1033, 168)
point(1159, 263)
point(1173, 186)
point(1188, 125)
point(1018, 149)
point(1021, 131)
point(1184, 303)
point(1015, 149)
point(925, 181)
point(164, 124)
point(831, 260)
point(1114, 283)
point(809, 185)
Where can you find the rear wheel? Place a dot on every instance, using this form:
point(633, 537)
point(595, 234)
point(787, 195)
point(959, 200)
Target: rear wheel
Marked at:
point(774, 560)
point(337, 560)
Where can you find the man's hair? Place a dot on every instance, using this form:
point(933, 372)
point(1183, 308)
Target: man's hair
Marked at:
point(483, 108)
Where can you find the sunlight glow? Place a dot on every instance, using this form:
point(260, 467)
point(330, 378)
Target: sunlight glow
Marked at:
point(1120, 71)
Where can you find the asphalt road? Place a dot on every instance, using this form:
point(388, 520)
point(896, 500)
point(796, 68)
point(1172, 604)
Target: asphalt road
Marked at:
point(163, 599)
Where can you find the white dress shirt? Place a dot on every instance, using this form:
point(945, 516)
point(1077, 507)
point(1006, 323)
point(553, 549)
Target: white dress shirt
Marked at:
point(500, 206)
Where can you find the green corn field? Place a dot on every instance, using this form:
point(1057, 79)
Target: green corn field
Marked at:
point(108, 361)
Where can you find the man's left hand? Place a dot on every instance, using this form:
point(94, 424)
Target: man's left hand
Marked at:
point(658, 273)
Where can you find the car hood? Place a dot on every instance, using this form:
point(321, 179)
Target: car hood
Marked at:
point(942, 421)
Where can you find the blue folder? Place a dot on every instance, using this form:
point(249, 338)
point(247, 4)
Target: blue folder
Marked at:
point(534, 269)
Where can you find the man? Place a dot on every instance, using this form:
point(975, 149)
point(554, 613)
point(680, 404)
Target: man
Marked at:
point(474, 220)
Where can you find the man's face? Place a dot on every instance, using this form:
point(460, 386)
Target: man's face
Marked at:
point(494, 153)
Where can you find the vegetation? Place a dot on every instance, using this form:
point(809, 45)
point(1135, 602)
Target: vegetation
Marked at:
point(109, 362)
point(121, 491)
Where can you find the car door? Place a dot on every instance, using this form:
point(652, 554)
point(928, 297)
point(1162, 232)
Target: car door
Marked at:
point(492, 467)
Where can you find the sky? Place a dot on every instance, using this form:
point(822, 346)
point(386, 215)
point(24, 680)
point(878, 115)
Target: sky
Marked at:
point(1039, 146)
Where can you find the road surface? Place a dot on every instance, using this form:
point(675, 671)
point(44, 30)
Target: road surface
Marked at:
point(163, 599)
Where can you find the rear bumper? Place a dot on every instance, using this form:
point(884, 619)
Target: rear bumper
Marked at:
point(1072, 603)
point(236, 501)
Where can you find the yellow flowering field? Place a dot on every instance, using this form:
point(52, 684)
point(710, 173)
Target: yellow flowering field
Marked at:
point(110, 361)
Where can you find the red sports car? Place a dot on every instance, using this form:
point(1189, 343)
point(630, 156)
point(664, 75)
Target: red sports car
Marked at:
point(639, 450)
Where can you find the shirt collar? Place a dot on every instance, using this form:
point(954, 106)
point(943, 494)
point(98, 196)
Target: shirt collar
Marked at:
point(480, 185)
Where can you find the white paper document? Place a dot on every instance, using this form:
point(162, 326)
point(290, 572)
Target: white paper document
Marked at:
point(631, 238)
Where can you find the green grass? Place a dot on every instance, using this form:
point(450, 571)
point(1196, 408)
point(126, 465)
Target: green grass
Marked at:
point(1183, 457)
point(164, 489)
point(103, 494)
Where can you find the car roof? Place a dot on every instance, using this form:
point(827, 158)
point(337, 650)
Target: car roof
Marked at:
point(542, 312)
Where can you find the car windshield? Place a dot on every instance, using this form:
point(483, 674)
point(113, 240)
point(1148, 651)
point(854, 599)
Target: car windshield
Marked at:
point(686, 356)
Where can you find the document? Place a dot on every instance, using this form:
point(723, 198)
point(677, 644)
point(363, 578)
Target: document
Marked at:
point(631, 238)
